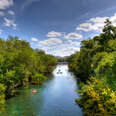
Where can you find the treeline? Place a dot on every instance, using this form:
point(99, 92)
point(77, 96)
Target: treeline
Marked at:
point(62, 59)
point(95, 67)
point(21, 65)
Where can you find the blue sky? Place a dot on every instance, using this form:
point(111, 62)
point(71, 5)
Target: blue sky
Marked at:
point(56, 26)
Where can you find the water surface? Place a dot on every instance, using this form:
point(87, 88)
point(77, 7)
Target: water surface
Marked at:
point(54, 98)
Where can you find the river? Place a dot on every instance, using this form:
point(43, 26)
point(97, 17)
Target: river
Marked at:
point(54, 98)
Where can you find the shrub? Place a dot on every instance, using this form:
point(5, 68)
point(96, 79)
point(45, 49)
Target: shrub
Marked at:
point(97, 99)
point(38, 78)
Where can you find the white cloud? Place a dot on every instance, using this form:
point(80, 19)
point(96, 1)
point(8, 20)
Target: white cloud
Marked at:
point(50, 42)
point(73, 36)
point(94, 24)
point(34, 39)
point(9, 23)
point(2, 13)
point(74, 43)
point(98, 19)
point(84, 27)
point(54, 34)
point(91, 27)
point(57, 47)
point(113, 19)
point(62, 50)
point(4, 4)
point(11, 12)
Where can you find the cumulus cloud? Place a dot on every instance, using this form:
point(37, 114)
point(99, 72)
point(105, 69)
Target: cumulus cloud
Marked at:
point(74, 43)
point(65, 52)
point(57, 47)
point(54, 34)
point(94, 24)
point(73, 36)
point(9, 23)
point(4, 4)
point(98, 19)
point(85, 27)
point(34, 39)
point(50, 42)
point(62, 50)
point(11, 12)
point(113, 19)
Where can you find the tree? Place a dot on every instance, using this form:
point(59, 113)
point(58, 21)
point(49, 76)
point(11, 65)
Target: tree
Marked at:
point(21, 65)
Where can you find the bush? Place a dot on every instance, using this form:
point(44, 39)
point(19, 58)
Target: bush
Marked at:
point(38, 79)
point(97, 99)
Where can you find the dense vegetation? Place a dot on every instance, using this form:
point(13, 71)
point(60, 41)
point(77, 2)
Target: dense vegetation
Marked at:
point(21, 65)
point(95, 67)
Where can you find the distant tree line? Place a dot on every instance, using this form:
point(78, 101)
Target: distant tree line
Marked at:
point(95, 67)
point(62, 59)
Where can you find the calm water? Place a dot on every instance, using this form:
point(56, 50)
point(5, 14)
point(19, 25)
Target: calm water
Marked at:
point(54, 98)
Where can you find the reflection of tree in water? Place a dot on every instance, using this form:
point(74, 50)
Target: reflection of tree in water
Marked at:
point(25, 104)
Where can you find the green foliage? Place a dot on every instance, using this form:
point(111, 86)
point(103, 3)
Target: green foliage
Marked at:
point(38, 78)
point(107, 68)
point(111, 45)
point(9, 81)
point(2, 95)
point(97, 98)
point(21, 65)
point(107, 64)
point(97, 59)
point(72, 62)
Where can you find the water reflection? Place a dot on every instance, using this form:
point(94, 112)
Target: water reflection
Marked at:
point(54, 98)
